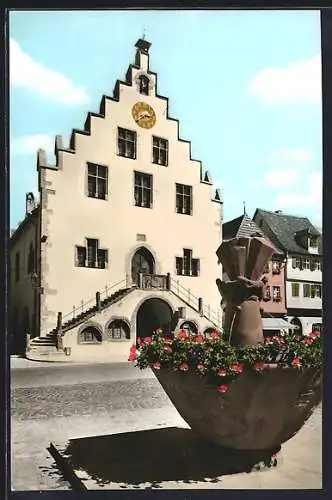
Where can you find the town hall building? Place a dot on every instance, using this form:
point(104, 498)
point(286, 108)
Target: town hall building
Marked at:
point(122, 238)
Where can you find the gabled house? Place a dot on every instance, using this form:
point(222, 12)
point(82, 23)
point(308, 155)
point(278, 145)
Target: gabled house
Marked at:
point(124, 234)
point(274, 303)
point(300, 241)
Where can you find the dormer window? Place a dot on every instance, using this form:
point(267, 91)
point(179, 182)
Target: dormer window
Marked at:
point(144, 85)
point(313, 242)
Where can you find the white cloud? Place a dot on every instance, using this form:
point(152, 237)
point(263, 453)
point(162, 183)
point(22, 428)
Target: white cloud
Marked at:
point(27, 73)
point(308, 198)
point(29, 144)
point(280, 177)
point(292, 155)
point(297, 82)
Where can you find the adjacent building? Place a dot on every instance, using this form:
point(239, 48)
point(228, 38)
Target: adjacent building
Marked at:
point(123, 237)
point(300, 242)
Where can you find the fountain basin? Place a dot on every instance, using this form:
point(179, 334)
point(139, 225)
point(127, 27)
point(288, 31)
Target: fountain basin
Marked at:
point(259, 412)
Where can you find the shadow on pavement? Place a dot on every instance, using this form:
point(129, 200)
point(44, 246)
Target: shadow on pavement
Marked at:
point(154, 456)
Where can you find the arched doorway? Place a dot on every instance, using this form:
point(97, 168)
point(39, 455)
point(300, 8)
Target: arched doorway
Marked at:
point(297, 322)
point(153, 314)
point(142, 263)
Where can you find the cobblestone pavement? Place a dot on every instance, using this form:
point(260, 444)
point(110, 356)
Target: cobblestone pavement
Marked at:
point(85, 399)
point(103, 406)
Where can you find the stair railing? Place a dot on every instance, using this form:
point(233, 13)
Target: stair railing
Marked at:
point(196, 303)
point(85, 306)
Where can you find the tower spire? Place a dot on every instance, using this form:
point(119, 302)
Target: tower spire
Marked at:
point(244, 208)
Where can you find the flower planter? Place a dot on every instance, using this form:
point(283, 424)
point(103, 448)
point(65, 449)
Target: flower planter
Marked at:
point(260, 412)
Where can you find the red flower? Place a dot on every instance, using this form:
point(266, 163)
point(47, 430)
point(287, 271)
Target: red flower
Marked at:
point(200, 367)
point(184, 367)
point(199, 339)
point(296, 362)
point(314, 334)
point(168, 340)
point(268, 340)
point(223, 388)
point(238, 368)
point(182, 335)
point(258, 366)
point(222, 373)
point(156, 365)
point(168, 348)
point(159, 331)
point(133, 354)
point(215, 335)
point(147, 340)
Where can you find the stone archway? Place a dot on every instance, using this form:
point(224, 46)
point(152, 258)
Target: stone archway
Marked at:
point(142, 262)
point(154, 313)
point(297, 322)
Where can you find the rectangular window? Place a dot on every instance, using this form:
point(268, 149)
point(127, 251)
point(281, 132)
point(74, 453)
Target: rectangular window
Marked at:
point(143, 190)
point(91, 255)
point(306, 263)
point(275, 267)
point(17, 266)
point(97, 181)
point(316, 291)
point(266, 269)
point(318, 265)
point(80, 256)
point(183, 199)
point(295, 289)
point(160, 151)
point(126, 143)
point(298, 263)
point(313, 242)
point(306, 290)
point(186, 265)
point(276, 293)
point(267, 295)
point(294, 263)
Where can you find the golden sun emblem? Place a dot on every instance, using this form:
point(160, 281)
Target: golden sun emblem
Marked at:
point(144, 115)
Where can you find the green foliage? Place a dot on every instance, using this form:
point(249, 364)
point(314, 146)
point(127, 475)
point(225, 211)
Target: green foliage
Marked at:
point(215, 357)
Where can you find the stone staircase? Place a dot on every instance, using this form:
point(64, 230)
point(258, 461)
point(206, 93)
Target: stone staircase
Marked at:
point(48, 342)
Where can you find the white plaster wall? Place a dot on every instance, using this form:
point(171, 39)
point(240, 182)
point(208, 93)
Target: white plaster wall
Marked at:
point(127, 310)
point(303, 274)
point(116, 221)
point(306, 323)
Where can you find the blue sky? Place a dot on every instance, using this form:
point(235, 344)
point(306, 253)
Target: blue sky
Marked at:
point(245, 86)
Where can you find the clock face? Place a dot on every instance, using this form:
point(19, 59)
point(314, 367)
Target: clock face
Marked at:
point(144, 115)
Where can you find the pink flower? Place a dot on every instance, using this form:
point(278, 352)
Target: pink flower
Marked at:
point(296, 362)
point(183, 335)
point(223, 388)
point(133, 354)
point(238, 368)
point(184, 367)
point(222, 373)
point(215, 335)
point(147, 340)
point(258, 366)
point(199, 339)
point(156, 365)
point(159, 331)
point(307, 341)
point(168, 348)
point(139, 341)
point(200, 367)
point(168, 340)
point(268, 340)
